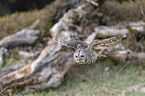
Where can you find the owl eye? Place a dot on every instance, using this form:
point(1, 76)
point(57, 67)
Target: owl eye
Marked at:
point(82, 55)
point(76, 56)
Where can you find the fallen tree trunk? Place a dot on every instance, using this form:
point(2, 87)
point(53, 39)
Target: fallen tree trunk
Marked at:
point(138, 26)
point(50, 67)
point(12, 68)
point(109, 31)
point(26, 36)
point(119, 53)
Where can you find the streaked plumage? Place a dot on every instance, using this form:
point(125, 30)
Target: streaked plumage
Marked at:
point(83, 52)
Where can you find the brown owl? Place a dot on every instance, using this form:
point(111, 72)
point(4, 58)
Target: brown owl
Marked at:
point(83, 51)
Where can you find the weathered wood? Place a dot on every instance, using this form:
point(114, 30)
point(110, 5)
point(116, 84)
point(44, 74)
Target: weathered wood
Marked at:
point(23, 37)
point(15, 66)
point(48, 74)
point(26, 36)
point(1, 57)
point(119, 53)
point(51, 65)
point(3, 53)
point(26, 54)
point(138, 26)
point(108, 31)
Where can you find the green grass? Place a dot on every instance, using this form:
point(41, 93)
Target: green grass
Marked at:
point(93, 80)
point(11, 59)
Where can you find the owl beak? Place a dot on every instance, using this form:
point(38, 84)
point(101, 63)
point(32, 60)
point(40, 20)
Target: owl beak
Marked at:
point(79, 61)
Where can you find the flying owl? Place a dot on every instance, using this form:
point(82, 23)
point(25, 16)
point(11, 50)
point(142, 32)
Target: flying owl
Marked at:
point(83, 51)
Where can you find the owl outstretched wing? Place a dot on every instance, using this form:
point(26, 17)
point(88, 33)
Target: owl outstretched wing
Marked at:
point(73, 43)
point(108, 41)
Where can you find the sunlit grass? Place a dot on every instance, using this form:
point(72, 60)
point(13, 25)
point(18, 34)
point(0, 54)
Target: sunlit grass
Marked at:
point(101, 79)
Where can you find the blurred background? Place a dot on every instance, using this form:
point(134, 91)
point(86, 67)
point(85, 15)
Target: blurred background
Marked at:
point(11, 6)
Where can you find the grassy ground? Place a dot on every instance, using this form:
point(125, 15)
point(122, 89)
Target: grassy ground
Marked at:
point(101, 79)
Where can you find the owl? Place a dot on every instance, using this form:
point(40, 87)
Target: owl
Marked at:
point(84, 53)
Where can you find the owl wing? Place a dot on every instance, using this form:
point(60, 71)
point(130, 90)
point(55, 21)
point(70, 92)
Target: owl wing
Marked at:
point(108, 41)
point(73, 43)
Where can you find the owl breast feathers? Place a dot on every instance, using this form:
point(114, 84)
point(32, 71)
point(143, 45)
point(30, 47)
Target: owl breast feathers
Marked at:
point(83, 52)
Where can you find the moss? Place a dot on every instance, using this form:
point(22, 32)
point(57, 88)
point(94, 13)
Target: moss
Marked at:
point(12, 58)
point(12, 23)
point(125, 11)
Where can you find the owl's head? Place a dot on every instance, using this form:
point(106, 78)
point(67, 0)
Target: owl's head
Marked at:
point(80, 56)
